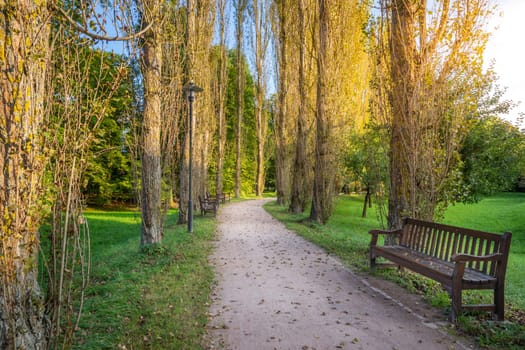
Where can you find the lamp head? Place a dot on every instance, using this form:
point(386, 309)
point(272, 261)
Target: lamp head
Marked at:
point(191, 89)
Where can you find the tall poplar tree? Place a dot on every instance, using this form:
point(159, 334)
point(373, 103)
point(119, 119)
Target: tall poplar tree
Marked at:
point(239, 33)
point(281, 158)
point(323, 173)
point(222, 84)
point(300, 183)
point(436, 84)
point(261, 16)
point(24, 58)
point(151, 65)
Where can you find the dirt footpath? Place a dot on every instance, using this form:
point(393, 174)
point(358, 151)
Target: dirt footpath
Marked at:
point(277, 291)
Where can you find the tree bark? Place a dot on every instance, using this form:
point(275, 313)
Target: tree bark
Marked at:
point(24, 58)
point(241, 6)
point(184, 191)
point(281, 176)
point(261, 140)
point(367, 202)
point(221, 96)
point(151, 144)
point(324, 170)
point(299, 195)
point(403, 76)
point(260, 12)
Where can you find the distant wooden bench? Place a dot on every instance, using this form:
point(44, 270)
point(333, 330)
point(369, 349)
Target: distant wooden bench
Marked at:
point(221, 197)
point(458, 258)
point(208, 205)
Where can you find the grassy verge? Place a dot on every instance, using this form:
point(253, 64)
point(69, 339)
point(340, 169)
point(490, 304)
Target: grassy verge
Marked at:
point(156, 298)
point(346, 235)
point(500, 213)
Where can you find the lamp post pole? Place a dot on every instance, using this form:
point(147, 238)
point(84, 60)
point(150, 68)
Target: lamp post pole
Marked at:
point(191, 89)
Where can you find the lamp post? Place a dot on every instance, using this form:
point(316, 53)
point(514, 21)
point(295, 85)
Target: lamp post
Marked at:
point(190, 90)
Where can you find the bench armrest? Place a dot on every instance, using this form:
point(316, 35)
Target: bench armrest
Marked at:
point(479, 258)
point(376, 233)
point(386, 232)
point(461, 261)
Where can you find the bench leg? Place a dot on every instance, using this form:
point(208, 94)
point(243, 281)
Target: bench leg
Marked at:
point(372, 259)
point(456, 290)
point(456, 298)
point(499, 303)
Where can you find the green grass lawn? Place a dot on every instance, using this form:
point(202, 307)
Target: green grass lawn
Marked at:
point(504, 212)
point(158, 298)
point(346, 235)
point(347, 231)
point(155, 298)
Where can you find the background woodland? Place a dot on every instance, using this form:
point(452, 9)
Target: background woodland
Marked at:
point(303, 98)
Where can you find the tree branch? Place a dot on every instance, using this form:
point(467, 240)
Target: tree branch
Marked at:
point(92, 35)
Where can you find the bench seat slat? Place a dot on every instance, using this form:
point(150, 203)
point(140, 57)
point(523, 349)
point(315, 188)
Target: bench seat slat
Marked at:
point(434, 268)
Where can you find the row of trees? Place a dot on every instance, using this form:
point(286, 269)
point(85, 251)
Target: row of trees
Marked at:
point(79, 123)
point(57, 94)
point(396, 106)
point(397, 99)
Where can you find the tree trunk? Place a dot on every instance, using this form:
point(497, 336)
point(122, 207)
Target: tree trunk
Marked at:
point(261, 44)
point(324, 170)
point(368, 202)
point(261, 140)
point(151, 154)
point(221, 96)
point(403, 75)
point(299, 196)
point(189, 60)
point(241, 5)
point(281, 176)
point(24, 58)
point(184, 169)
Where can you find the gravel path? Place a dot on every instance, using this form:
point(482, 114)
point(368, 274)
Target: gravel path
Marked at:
point(277, 291)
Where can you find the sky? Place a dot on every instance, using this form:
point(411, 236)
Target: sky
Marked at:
point(507, 50)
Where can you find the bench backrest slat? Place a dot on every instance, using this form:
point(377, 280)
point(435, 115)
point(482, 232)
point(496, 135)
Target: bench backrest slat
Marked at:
point(454, 245)
point(428, 242)
point(481, 244)
point(489, 247)
point(493, 266)
point(443, 245)
point(432, 243)
point(443, 241)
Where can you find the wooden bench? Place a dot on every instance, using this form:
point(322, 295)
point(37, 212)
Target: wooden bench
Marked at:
point(458, 258)
point(208, 205)
point(221, 197)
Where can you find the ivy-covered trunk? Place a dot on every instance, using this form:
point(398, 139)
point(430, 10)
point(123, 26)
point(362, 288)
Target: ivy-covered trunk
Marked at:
point(24, 56)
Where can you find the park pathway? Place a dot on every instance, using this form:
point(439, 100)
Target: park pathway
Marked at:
point(277, 291)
